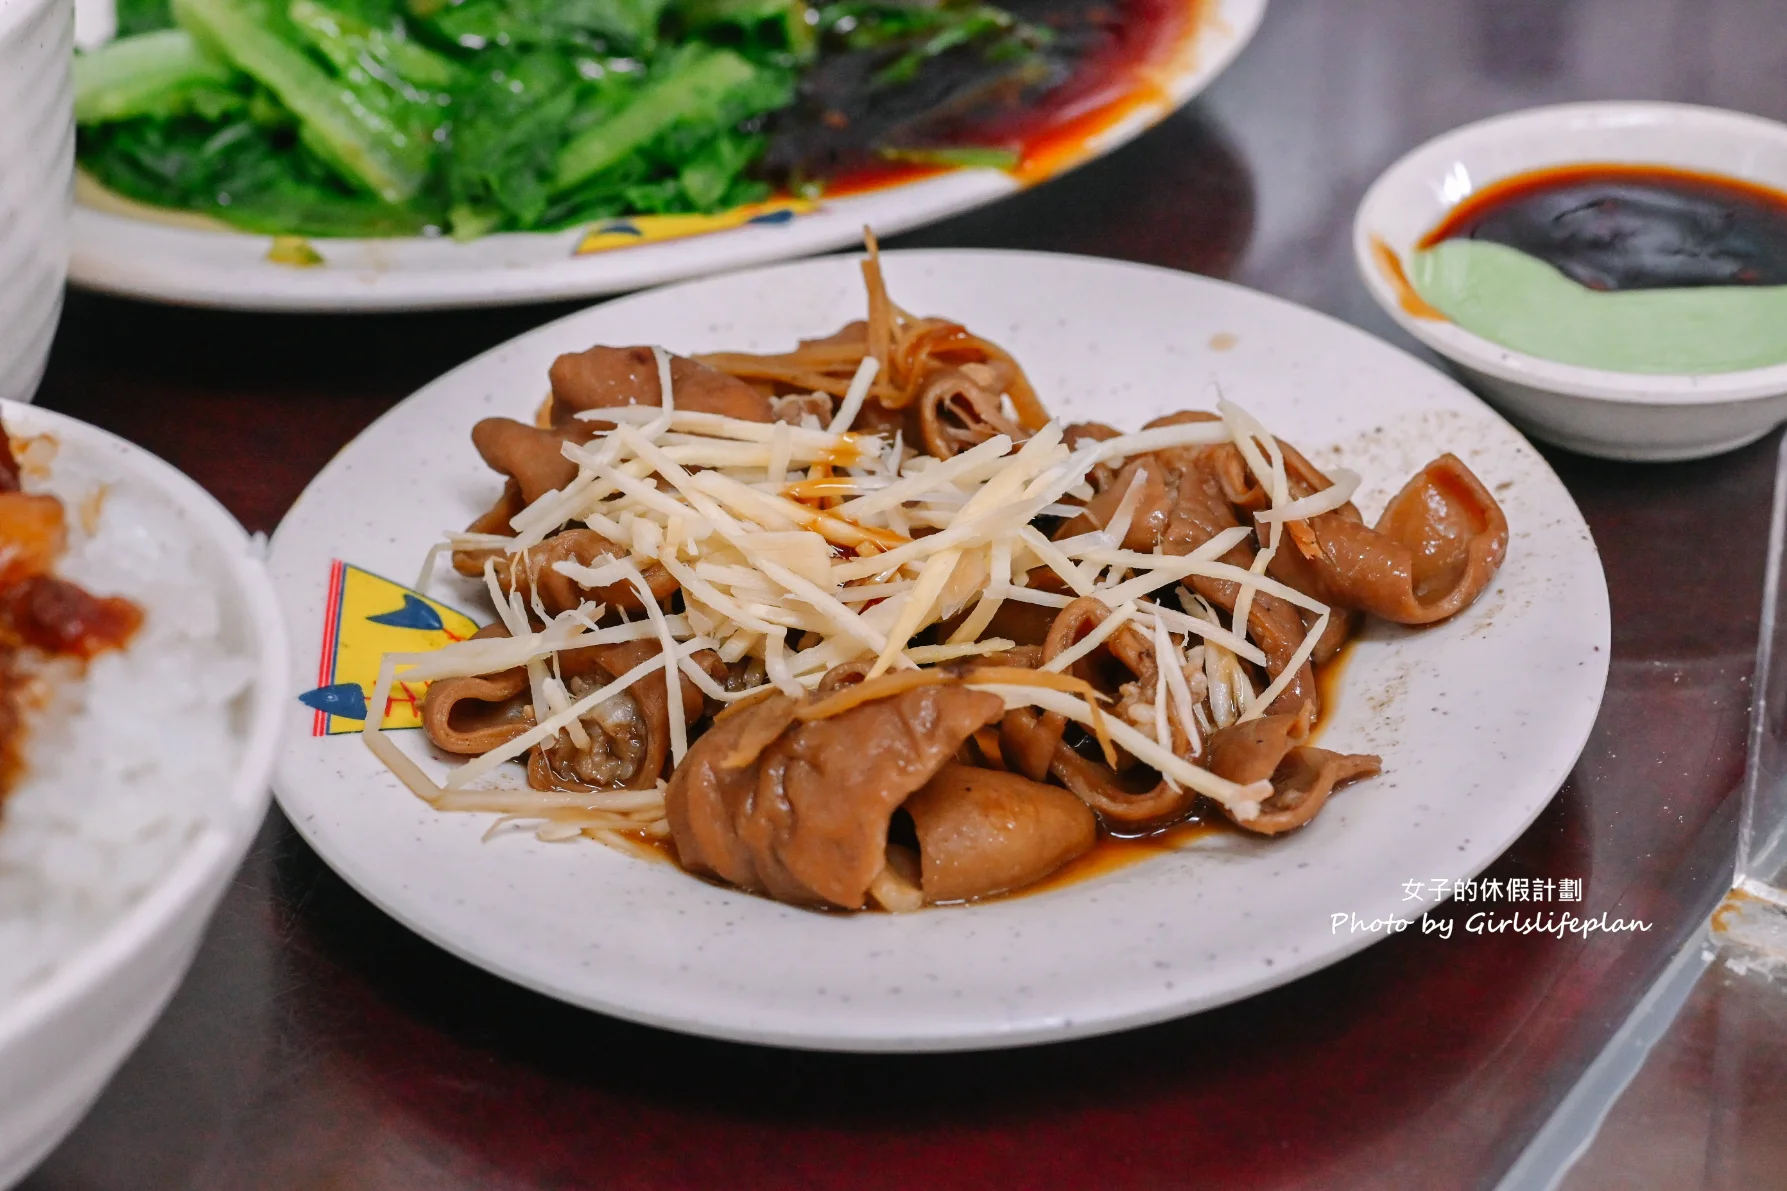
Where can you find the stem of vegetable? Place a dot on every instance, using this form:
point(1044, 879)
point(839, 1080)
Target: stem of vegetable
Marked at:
point(367, 147)
point(142, 75)
point(693, 90)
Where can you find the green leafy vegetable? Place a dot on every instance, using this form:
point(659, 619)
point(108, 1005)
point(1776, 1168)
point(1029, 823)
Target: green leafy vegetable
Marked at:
point(395, 117)
point(710, 177)
point(988, 157)
point(771, 28)
point(143, 16)
point(257, 178)
point(600, 25)
point(367, 129)
point(921, 32)
point(509, 124)
point(155, 74)
point(704, 88)
point(362, 52)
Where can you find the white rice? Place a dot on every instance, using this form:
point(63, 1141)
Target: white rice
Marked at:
point(124, 764)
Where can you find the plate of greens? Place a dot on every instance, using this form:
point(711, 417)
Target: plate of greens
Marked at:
point(412, 154)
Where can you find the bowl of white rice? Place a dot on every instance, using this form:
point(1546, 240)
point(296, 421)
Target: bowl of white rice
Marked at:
point(144, 774)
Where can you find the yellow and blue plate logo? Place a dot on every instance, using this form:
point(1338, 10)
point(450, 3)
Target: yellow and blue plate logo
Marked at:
point(366, 617)
point(609, 234)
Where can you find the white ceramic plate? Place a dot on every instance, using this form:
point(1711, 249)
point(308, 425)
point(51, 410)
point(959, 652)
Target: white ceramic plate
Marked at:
point(157, 259)
point(1478, 720)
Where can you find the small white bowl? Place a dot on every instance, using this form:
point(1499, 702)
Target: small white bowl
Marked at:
point(36, 183)
point(1616, 415)
point(61, 1039)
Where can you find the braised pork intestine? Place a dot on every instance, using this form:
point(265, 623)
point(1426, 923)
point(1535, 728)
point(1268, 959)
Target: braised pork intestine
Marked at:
point(859, 625)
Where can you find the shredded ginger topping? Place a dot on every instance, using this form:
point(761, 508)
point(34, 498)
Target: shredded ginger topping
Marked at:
point(809, 547)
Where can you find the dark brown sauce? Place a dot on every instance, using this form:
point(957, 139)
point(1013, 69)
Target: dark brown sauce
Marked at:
point(1114, 853)
point(659, 848)
point(852, 451)
point(1625, 227)
point(1117, 76)
point(39, 613)
point(12, 736)
point(881, 539)
point(1327, 686)
point(820, 487)
point(60, 619)
point(1406, 296)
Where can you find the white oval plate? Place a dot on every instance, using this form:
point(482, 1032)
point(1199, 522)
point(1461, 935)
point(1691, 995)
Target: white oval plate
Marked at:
point(142, 255)
point(1478, 720)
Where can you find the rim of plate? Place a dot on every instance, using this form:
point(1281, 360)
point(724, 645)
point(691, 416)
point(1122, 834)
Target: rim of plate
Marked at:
point(218, 847)
point(413, 909)
point(152, 260)
point(1411, 181)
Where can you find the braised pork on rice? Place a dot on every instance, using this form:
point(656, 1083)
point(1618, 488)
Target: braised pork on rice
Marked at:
point(46, 622)
point(859, 625)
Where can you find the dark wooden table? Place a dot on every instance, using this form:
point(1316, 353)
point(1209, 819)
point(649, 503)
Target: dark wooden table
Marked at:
point(317, 1044)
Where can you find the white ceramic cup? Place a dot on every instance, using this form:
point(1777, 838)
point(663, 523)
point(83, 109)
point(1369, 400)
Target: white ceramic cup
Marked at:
point(1616, 415)
point(36, 183)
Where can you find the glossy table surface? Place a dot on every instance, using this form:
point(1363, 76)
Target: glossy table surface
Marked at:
point(1705, 1113)
point(316, 1044)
